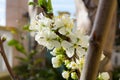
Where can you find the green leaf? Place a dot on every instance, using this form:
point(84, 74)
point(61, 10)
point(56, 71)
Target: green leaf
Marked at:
point(40, 2)
point(33, 52)
point(49, 6)
point(22, 59)
point(31, 3)
point(20, 48)
point(38, 61)
point(50, 11)
point(26, 27)
point(44, 2)
point(17, 45)
point(12, 42)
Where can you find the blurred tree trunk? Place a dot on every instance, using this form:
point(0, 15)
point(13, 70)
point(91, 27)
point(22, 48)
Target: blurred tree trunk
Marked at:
point(98, 37)
point(92, 7)
point(33, 11)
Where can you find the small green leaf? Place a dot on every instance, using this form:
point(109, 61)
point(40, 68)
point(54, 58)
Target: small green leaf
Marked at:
point(44, 2)
point(38, 61)
point(22, 59)
point(40, 2)
point(33, 52)
point(12, 42)
point(31, 3)
point(20, 48)
point(49, 6)
point(26, 27)
point(17, 45)
point(50, 12)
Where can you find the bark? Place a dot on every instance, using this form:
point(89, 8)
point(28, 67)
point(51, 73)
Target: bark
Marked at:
point(92, 6)
point(3, 54)
point(98, 37)
point(106, 65)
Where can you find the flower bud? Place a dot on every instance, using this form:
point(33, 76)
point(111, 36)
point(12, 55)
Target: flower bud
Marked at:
point(105, 76)
point(74, 75)
point(65, 74)
point(67, 62)
point(56, 62)
point(73, 65)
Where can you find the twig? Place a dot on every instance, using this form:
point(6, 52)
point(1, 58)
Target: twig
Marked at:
point(6, 60)
point(98, 36)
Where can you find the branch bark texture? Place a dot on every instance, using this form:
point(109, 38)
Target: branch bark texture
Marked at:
point(98, 37)
point(6, 60)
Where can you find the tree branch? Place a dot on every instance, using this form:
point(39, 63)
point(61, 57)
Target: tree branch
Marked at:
point(98, 36)
point(6, 60)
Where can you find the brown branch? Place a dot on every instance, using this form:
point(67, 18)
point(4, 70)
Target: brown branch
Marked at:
point(6, 60)
point(106, 65)
point(98, 36)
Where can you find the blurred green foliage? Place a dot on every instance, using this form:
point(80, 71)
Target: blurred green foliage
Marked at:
point(116, 74)
point(30, 68)
point(17, 45)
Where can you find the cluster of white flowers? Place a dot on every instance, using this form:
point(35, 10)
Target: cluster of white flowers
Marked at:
point(67, 47)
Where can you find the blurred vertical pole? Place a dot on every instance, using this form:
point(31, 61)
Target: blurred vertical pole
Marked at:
point(34, 10)
point(98, 37)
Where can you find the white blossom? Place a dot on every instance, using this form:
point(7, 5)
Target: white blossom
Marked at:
point(73, 65)
point(105, 76)
point(44, 21)
point(65, 74)
point(84, 39)
point(39, 22)
point(64, 31)
point(68, 47)
point(74, 46)
point(57, 23)
point(56, 62)
point(64, 22)
point(35, 25)
point(47, 38)
point(80, 52)
point(53, 52)
point(67, 21)
point(80, 63)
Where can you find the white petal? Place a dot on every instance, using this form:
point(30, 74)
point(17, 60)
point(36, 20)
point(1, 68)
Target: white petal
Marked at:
point(53, 53)
point(105, 76)
point(49, 46)
point(66, 44)
point(58, 23)
point(62, 31)
point(72, 37)
point(56, 44)
point(55, 62)
point(73, 65)
point(80, 52)
point(65, 74)
point(70, 52)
